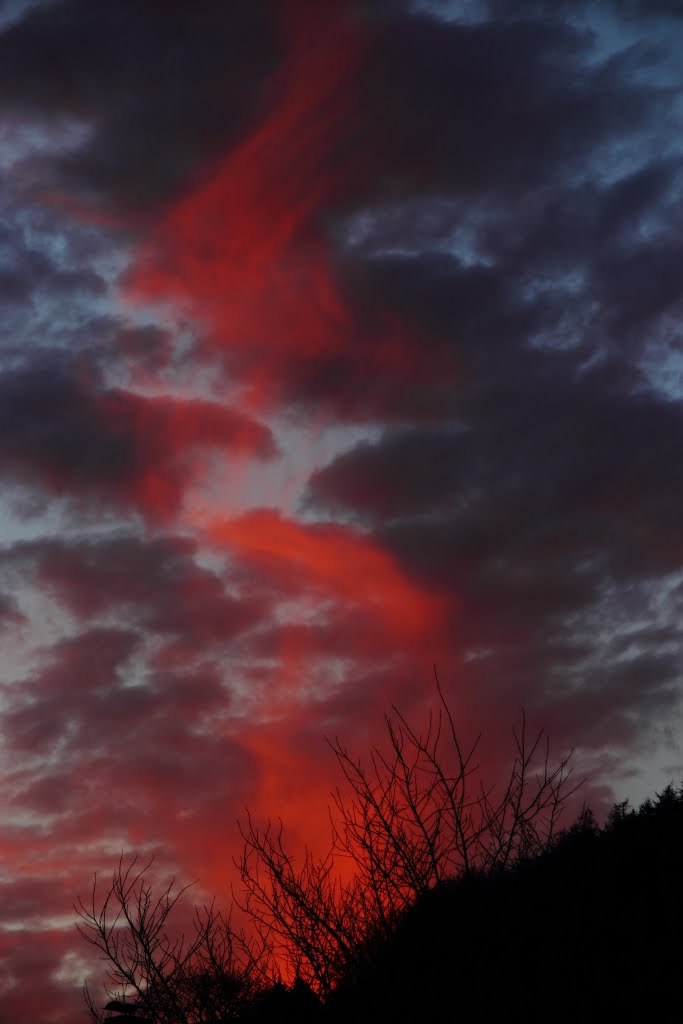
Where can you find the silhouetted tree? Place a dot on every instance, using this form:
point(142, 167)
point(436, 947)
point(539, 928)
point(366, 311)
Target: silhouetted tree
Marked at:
point(588, 930)
point(204, 978)
point(285, 1004)
point(409, 821)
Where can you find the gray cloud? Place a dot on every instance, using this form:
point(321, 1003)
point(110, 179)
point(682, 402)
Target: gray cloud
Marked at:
point(499, 248)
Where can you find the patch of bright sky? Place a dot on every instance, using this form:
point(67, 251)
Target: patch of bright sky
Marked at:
point(663, 359)
point(22, 522)
point(623, 613)
point(235, 484)
point(625, 623)
point(78, 263)
point(46, 624)
point(410, 228)
point(74, 968)
point(662, 38)
point(462, 11)
point(616, 32)
point(22, 139)
point(12, 11)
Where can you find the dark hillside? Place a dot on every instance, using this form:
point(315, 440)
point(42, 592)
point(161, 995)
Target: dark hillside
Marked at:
point(593, 930)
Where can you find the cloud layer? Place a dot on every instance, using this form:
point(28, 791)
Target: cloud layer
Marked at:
point(335, 343)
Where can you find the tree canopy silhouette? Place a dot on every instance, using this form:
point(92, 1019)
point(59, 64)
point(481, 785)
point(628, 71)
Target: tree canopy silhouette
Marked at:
point(451, 889)
point(588, 930)
point(410, 818)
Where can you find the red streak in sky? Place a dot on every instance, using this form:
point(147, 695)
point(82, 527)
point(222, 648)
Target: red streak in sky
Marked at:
point(246, 254)
point(341, 560)
point(245, 251)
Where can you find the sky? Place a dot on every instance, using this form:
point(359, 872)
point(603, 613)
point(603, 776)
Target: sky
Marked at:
point(337, 341)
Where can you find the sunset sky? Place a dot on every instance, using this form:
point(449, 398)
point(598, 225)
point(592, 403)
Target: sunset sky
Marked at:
point(338, 339)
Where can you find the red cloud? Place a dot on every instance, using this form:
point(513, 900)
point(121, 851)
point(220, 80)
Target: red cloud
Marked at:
point(337, 559)
point(62, 430)
point(245, 251)
point(165, 433)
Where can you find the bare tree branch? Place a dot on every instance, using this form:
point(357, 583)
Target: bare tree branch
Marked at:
point(409, 819)
point(172, 978)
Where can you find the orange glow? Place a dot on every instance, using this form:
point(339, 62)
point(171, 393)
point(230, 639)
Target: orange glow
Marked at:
point(294, 786)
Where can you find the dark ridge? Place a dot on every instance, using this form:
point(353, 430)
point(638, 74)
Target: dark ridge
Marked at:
point(589, 931)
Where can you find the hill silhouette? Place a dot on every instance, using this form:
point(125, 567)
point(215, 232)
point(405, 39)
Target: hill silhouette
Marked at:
point(591, 930)
point(461, 902)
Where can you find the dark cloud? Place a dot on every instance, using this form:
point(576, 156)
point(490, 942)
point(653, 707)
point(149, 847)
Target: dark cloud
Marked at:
point(163, 90)
point(586, 267)
point(34, 271)
point(535, 438)
point(555, 483)
point(32, 960)
point(494, 106)
point(459, 237)
point(627, 9)
point(146, 348)
point(445, 106)
point(61, 431)
point(30, 900)
point(86, 664)
point(493, 113)
point(156, 584)
point(9, 612)
point(509, 235)
point(407, 473)
point(159, 733)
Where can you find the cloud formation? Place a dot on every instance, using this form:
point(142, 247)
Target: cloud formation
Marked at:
point(67, 434)
point(337, 340)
